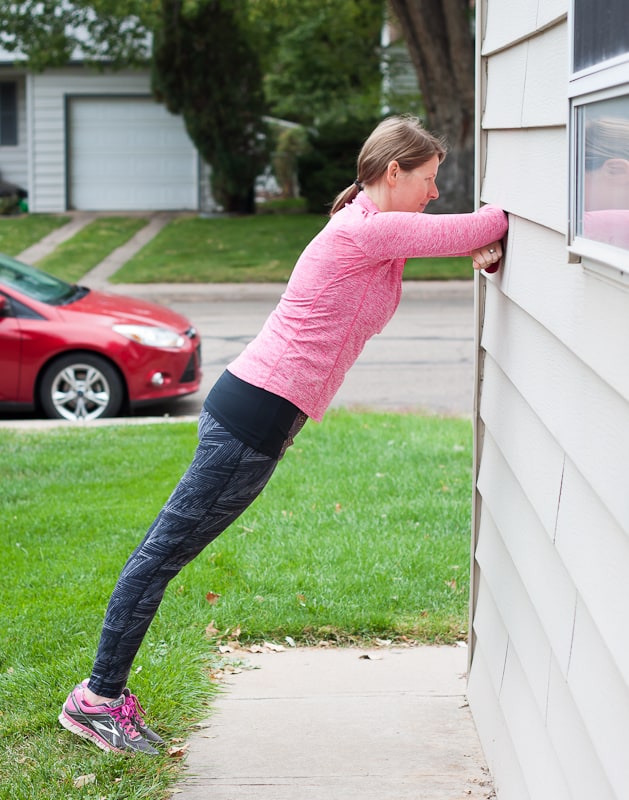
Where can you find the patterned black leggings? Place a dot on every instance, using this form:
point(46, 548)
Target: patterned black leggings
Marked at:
point(224, 478)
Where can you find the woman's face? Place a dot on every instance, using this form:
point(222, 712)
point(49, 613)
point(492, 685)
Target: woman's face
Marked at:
point(412, 190)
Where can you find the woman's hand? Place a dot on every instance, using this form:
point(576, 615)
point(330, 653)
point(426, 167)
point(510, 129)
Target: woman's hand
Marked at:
point(488, 256)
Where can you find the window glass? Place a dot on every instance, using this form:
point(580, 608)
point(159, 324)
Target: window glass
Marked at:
point(8, 113)
point(601, 31)
point(603, 171)
point(34, 283)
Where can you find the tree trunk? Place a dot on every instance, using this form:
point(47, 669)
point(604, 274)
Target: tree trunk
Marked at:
point(439, 38)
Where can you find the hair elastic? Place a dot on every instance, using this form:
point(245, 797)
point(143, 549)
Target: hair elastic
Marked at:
point(358, 184)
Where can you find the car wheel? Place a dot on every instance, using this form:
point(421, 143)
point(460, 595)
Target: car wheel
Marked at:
point(80, 386)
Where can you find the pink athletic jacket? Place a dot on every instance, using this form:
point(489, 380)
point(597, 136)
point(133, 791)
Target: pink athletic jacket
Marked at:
point(344, 288)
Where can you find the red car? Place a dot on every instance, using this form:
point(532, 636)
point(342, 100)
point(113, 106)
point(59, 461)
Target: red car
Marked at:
point(71, 352)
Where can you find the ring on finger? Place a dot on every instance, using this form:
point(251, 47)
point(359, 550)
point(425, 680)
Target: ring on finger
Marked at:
point(492, 250)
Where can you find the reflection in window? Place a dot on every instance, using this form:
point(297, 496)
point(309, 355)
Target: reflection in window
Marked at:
point(601, 31)
point(603, 171)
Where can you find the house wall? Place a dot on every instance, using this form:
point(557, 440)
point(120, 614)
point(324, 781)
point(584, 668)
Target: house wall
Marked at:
point(549, 671)
point(14, 159)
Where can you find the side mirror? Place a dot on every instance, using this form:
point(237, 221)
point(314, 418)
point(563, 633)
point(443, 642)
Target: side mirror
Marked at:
point(4, 306)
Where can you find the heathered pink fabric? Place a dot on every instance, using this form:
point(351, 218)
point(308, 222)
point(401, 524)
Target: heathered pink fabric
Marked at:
point(345, 287)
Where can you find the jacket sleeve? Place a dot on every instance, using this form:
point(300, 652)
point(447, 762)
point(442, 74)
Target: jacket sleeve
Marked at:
point(402, 234)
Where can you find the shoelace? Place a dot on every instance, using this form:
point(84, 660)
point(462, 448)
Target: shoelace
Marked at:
point(124, 715)
point(135, 710)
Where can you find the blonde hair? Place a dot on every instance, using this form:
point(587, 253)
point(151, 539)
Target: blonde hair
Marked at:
point(402, 139)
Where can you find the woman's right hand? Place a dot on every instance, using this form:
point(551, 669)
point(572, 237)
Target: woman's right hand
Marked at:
point(487, 257)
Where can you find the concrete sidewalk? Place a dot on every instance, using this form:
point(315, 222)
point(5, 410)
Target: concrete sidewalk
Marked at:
point(98, 277)
point(339, 723)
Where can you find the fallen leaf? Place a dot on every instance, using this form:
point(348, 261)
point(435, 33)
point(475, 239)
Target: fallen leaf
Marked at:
point(212, 598)
point(371, 656)
point(177, 751)
point(84, 780)
point(211, 629)
point(256, 648)
point(383, 642)
point(290, 641)
point(275, 648)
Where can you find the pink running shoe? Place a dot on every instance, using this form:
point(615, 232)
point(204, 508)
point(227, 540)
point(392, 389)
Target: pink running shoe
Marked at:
point(108, 725)
point(136, 714)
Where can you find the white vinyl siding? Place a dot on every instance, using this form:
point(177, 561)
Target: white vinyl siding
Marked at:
point(549, 671)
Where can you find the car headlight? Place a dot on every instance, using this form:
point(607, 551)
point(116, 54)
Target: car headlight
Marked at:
point(151, 336)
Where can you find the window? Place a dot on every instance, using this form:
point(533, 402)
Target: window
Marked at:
point(599, 133)
point(599, 31)
point(8, 113)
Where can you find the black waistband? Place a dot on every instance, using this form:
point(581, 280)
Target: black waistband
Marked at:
point(258, 418)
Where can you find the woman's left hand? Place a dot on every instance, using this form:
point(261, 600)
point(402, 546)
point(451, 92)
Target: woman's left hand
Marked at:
point(485, 257)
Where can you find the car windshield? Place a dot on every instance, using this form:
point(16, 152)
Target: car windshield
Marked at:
point(33, 282)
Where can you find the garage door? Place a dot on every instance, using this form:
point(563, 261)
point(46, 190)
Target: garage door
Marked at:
point(129, 154)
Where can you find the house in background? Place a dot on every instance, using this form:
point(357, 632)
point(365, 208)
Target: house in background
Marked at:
point(549, 656)
point(74, 138)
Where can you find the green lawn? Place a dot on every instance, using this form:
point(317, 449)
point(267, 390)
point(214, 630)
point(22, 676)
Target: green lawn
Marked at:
point(261, 248)
point(363, 532)
point(87, 248)
point(18, 233)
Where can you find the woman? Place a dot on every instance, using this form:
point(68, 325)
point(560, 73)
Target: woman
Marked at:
point(345, 287)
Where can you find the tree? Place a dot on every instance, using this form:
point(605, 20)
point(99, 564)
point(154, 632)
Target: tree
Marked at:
point(322, 64)
point(113, 33)
point(439, 37)
point(206, 68)
point(322, 58)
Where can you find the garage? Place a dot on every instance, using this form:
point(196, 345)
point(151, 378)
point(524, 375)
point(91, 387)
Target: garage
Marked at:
point(129, 154)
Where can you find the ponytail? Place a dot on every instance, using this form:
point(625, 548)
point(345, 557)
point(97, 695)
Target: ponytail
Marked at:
point(345, 197)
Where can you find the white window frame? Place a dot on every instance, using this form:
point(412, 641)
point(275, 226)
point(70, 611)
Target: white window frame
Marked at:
point(601, 81)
